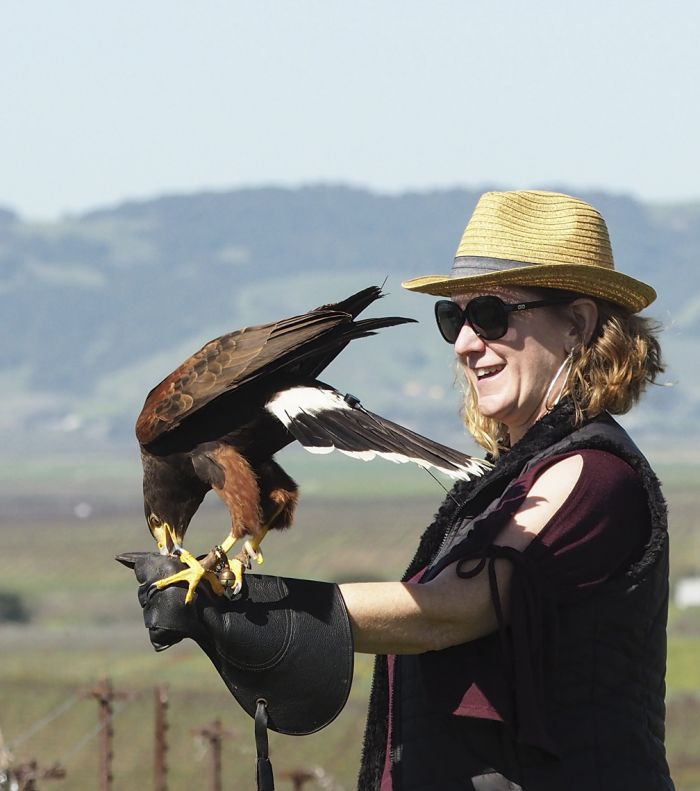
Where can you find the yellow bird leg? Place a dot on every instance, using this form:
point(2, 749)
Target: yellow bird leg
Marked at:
point(252, 546)
point(251, 551)
point(228, 542)
point(237, 569)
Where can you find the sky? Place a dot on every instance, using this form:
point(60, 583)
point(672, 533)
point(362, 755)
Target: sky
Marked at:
point(113, 101)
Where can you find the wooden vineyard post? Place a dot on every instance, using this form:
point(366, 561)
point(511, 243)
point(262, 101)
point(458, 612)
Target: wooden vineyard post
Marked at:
point(160, 766)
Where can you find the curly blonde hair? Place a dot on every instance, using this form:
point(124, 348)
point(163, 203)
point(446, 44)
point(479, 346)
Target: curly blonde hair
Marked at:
point(608, 374)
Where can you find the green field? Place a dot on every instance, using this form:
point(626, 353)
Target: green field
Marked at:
point(84, 623)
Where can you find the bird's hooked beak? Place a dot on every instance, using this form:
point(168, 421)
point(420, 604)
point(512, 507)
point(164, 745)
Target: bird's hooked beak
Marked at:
point(163, 534)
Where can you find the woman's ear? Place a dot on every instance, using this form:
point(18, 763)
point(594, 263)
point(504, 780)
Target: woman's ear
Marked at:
point(584, 316)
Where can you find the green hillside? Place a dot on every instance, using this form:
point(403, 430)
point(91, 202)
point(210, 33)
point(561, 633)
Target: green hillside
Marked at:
point(96, 308)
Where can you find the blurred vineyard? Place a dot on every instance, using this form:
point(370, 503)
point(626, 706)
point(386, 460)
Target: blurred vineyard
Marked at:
point(69, 617)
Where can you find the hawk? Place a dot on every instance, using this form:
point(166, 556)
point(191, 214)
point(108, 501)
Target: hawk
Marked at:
point(218, 419)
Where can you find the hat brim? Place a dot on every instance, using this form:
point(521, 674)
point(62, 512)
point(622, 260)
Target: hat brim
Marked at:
point(584, 279)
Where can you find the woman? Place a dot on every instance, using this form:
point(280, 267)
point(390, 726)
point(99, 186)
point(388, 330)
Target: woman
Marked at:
point(526, 646)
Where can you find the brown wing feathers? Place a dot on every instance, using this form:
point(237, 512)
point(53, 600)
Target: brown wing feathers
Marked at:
point(306, 343)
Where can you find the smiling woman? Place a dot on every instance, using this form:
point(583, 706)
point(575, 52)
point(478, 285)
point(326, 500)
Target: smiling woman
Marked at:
point(607, 372)
point(525, 647)
point(511, 377)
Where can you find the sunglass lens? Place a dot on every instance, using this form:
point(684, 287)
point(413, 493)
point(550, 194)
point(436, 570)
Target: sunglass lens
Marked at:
point(487, 317)
point(449, 319)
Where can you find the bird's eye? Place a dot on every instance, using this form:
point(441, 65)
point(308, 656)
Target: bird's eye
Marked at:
point(154, 521)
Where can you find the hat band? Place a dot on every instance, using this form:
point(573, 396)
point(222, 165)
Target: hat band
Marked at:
point(466, 265)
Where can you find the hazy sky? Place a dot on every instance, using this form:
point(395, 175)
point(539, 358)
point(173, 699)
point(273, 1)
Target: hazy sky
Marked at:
point(104, 101)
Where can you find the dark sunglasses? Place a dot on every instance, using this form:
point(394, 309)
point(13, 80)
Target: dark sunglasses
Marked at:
point(487, 315)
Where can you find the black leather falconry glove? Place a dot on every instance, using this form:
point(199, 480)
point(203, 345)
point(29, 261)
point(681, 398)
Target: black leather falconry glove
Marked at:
point(287, 642)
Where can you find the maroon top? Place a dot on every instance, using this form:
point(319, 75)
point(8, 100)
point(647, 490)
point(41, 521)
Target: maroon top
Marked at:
point(599, 530)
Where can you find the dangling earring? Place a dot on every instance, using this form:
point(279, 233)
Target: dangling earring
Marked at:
point(568, 361)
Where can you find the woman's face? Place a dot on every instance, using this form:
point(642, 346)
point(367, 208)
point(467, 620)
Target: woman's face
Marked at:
point(511, 375)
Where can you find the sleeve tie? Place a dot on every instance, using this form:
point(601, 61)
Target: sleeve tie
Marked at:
point(527, 639)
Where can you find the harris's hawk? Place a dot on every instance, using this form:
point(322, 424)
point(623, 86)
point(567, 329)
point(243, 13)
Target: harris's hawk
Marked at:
point(218, 419)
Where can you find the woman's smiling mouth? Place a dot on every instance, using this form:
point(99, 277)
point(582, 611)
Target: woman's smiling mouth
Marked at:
point(488, 371)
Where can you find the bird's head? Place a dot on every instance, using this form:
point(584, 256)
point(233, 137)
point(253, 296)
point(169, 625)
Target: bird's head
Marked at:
point(168, 519)
point(170, 499)
point(168, 516)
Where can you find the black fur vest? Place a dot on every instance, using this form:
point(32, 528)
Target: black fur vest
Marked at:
point(607, 693)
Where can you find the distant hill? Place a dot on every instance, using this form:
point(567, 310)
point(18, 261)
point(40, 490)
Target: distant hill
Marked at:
point(96, 308)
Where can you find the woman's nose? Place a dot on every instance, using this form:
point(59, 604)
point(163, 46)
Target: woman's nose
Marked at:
point(468, 341)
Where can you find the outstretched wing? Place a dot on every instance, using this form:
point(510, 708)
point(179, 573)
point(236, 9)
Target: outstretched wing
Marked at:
point(323, 420)
point(302, 344)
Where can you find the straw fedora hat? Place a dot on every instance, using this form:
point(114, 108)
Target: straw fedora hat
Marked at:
point(536, 238)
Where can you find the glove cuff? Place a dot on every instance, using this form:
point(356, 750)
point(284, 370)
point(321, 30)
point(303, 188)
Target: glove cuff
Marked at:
point(287, 642)
point(284, 641)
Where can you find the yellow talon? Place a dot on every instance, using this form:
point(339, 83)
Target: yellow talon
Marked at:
point(254, 552)
point(237, 569)
point(192, 575)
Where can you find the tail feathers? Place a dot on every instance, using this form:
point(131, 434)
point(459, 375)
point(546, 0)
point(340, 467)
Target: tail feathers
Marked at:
point(326, 347)
point(360, 329)
point(356, 303)
point(322, 420)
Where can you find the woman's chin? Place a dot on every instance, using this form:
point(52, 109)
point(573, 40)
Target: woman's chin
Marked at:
point(492, 407)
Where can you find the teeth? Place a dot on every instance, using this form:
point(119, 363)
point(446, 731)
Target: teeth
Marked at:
point(491, 369)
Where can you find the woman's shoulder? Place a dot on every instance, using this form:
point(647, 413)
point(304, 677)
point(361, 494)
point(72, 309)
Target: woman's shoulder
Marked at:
point(606, 510)
point(575, 495)
point(600, 469)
